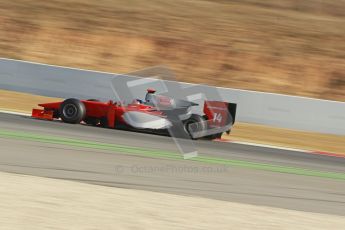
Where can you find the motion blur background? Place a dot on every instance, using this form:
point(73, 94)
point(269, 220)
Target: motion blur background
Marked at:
point(294, 47)
point(282, 46)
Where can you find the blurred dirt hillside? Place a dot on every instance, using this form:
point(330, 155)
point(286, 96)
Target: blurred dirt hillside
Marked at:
point(285, 46)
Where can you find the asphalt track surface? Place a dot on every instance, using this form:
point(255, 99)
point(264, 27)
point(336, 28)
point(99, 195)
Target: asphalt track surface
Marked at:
point(224, 171)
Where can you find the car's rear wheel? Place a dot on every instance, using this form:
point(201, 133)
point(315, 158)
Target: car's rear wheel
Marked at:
point(194, 124)
point(72, 111)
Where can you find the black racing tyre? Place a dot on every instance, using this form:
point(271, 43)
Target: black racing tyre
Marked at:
point(72, 111)
point(194, 124)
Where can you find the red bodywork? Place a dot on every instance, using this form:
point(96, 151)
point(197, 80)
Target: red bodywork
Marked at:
point(95, 109)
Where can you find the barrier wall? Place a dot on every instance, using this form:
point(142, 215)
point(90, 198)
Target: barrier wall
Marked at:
point(283, 111)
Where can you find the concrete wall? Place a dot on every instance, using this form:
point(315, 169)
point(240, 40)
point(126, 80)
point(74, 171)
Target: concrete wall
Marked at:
point(254, 107)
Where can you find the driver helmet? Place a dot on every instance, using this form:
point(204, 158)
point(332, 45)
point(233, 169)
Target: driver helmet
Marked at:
point(149, 94)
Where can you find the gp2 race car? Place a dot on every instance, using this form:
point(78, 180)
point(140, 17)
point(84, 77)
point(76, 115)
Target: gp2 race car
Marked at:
point(158, 114)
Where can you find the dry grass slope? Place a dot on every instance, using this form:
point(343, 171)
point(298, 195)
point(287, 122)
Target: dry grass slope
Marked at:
point(285, 46)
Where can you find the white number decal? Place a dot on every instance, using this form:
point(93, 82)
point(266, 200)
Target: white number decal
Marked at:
point(217, 117)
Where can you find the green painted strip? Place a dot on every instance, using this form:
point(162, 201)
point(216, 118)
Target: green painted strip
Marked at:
point(165, 154)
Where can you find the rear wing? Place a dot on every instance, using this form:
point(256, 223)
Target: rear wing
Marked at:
point(232, 108)
point(220, 116)
point(221, 113)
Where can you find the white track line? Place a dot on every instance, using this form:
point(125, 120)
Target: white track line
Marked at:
point(15, 113)
point(314, 152)
point(259, 145)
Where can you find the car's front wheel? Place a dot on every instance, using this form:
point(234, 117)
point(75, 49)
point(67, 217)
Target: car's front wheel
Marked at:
point(72, 111)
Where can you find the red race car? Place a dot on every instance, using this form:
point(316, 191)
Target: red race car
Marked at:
point(158, 114)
